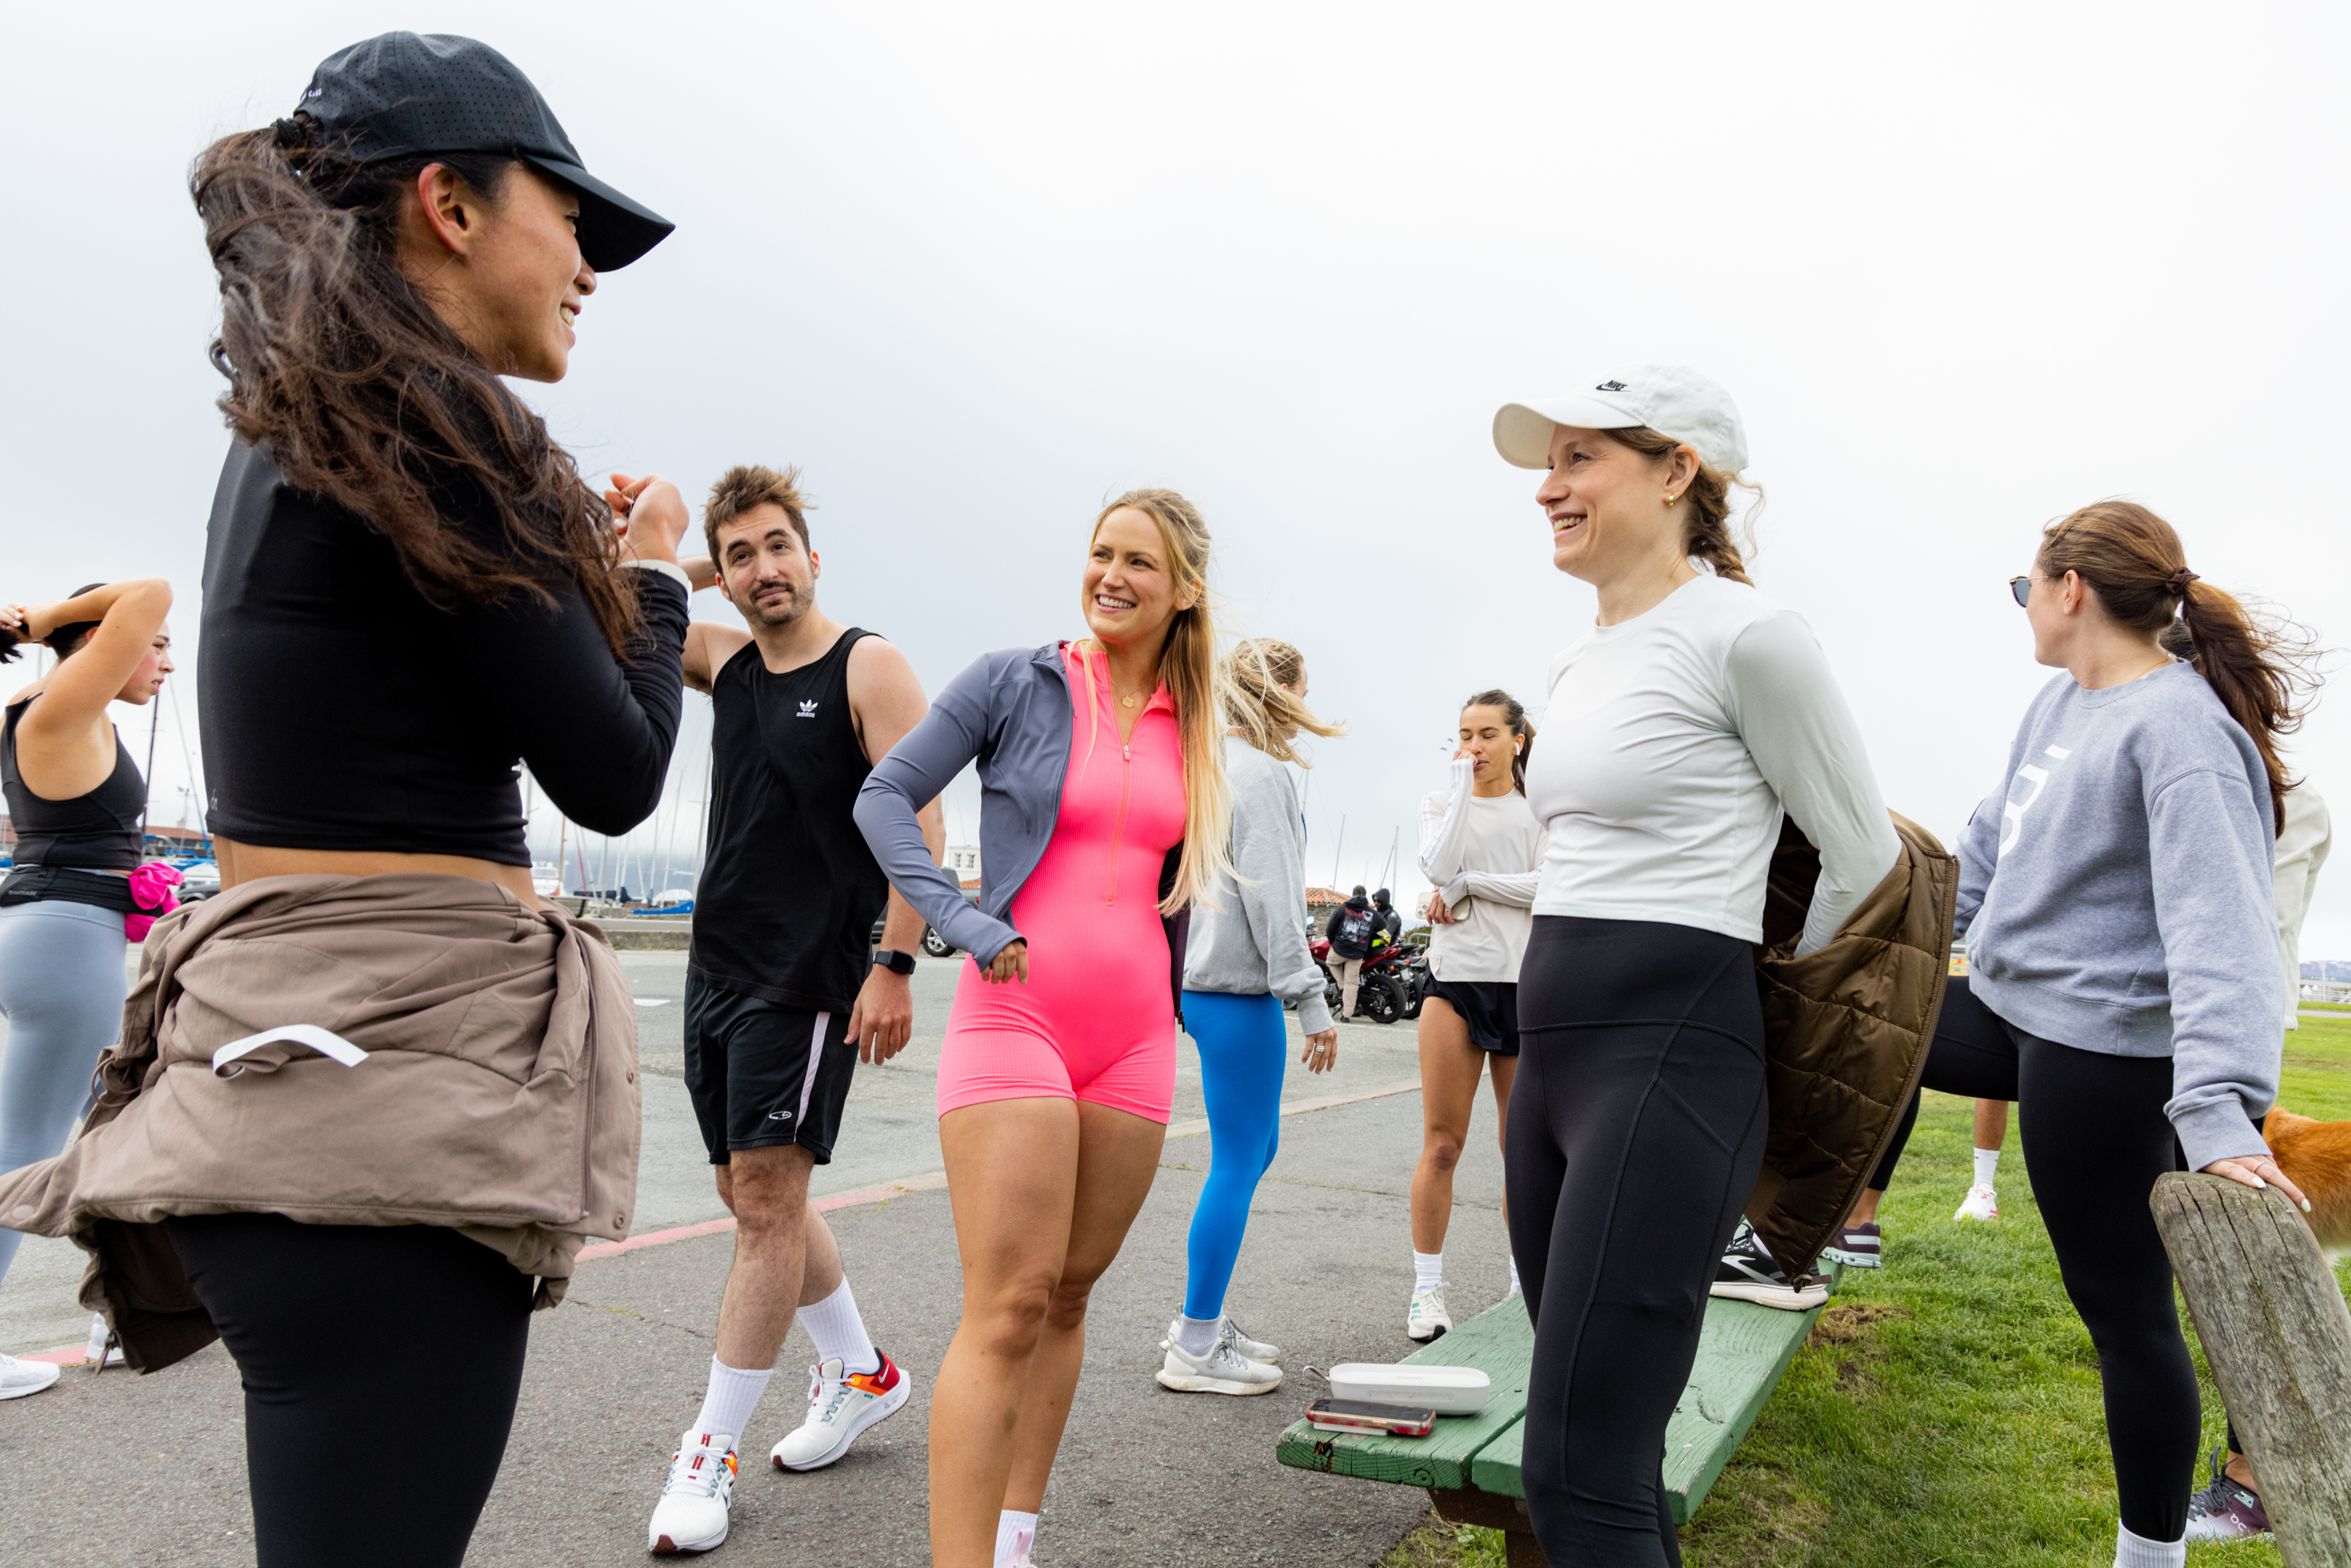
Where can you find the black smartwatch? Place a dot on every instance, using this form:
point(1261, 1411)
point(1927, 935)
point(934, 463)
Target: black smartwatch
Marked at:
point(896, 963)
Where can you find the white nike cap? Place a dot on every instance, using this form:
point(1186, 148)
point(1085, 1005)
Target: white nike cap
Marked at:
point(1672, 400)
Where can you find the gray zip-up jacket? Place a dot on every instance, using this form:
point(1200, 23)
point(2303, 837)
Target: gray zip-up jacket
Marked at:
point(2116, 895)
point(1256, 942)
point(1009, 711)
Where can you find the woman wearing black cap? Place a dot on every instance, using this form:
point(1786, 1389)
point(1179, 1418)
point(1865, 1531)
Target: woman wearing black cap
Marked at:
point(374, 1089)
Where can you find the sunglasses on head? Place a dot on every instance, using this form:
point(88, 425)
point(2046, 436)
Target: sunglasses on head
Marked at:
point(2022, 587)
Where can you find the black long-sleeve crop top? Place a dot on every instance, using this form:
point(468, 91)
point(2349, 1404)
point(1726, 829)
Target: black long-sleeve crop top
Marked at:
point(343, 710)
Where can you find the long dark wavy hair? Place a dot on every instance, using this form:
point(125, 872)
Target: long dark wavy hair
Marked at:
point(364, 396)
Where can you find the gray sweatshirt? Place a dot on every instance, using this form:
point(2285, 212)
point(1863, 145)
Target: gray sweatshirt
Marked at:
point(2115, 895)
point(1252, 940)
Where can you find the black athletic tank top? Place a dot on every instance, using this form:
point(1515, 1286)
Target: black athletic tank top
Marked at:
point(96, 831)
point(789, 893)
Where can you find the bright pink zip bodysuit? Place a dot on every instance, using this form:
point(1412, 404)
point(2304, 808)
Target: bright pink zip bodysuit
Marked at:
point(1096, 1020)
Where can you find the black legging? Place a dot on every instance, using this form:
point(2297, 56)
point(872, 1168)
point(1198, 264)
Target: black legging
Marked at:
point(380, 1365)
point(2094, 1140)
point(1636, 1131)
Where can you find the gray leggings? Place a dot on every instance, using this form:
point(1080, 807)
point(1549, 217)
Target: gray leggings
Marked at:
point(61, 987)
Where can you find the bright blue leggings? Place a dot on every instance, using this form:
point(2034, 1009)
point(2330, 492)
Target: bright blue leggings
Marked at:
point(1244, 1049)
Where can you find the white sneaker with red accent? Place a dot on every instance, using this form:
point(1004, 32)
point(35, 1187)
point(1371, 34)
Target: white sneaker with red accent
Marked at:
point(842, 1404)
point(1982, 1203)
point(692, 1513)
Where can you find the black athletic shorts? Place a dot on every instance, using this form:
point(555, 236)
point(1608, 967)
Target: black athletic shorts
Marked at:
point(763, 1075)
point(1490, 1008)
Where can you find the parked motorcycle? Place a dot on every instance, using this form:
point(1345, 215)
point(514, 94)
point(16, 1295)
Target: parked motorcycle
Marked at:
point(1382, 995)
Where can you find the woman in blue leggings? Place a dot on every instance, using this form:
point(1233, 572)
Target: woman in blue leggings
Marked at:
point(1247, 957)
point(75, 799)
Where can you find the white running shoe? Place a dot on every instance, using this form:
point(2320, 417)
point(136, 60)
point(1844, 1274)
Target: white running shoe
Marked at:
point(1230, 1332)
point(18, 1378)
point(842, 1404)
point(1224, 1370)
point(692, 1513)
point(99, 1345)
point(1982, 1203)
point(1426, 1319)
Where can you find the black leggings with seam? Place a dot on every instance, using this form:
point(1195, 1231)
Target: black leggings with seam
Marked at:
point(380, 1365)
point(2096, 1138)
point(1636, 1131)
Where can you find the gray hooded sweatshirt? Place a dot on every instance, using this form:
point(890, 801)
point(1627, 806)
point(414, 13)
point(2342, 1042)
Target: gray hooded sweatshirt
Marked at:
point(2115, 895)
point(1252, 940)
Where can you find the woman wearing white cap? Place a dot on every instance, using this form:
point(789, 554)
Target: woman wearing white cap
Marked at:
point(1679, 727)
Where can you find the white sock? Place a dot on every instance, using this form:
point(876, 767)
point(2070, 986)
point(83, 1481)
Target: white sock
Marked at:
point(839, 1333)
point(726, 1407)
point(1428, 1271)
point(1987, 1162)
point(1197, 1335)
point(1514, 1275)
point(1015, 1533)
point(2138, 1551)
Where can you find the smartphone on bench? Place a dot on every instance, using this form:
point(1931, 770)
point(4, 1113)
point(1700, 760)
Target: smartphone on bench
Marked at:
point(1362, 1415)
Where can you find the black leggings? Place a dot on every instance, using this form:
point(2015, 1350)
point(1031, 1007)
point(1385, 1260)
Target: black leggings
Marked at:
point(1636, 1131)
point(2094, 1140)
point(380, 1364)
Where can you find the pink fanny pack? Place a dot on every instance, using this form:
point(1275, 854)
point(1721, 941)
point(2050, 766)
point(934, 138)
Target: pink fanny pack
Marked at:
point(150, 890)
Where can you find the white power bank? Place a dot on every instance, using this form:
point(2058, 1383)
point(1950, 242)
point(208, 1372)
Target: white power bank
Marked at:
point(1448, 1390)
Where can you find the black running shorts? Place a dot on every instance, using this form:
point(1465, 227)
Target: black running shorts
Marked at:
point(763, 1075)
point(1490, 1008)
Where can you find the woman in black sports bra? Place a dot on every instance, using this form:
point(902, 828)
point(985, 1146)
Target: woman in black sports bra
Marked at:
point(75, 799)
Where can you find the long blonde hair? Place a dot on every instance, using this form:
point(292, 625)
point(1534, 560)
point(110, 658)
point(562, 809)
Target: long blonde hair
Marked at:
point(1258, 701)
point(1187, 665)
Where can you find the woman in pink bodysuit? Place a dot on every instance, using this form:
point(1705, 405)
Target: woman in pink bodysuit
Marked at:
point(1105, 814)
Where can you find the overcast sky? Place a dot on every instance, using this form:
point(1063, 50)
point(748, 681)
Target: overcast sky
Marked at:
point(976, 268)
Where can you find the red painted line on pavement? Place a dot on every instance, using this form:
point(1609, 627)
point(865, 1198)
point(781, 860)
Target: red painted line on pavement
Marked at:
point(63, 1356)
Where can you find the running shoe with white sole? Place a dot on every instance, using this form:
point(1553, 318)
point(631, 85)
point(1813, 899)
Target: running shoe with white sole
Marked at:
point(1747, 1272)
point(1426, 1319)
point(1982, 1203)
point(842, 1404)
point(1856, 1247)
point(1230, 1332)
point(692, 1513)
point(2225, 1510)
point(18, 1378)
point(1224, 1370)
point(102, 1350)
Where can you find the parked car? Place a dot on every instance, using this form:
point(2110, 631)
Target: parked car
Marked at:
point(199, 881)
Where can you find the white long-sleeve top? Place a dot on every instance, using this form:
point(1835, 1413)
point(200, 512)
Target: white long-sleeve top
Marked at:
point(1484, 857)
point(2302, 847)
point(1671, 746)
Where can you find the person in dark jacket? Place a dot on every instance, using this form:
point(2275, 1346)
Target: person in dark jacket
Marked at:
point(1390, 921)
point(1350, 931)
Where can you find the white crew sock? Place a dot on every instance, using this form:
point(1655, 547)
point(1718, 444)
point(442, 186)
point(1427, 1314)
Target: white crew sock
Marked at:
point(1197, 1335)
point(1015, 1533)
point(1515, 1274)
point(1987, 1162)
point(1427, 1270)
point(839, 1331)
point(726, 1407)
point(2138, 1551)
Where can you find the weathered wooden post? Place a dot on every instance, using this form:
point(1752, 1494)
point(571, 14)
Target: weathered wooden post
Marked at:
point(2278, 1337)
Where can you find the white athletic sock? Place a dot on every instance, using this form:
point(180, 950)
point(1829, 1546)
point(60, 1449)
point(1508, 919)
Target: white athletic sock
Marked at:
point(1514, 1275)
point(1427, 1270)
point(1197, 1335)
point(2138, 1551)
point(838, 1331)
point(726, 1407)
point(1987, 1162)
point(1015, 1533)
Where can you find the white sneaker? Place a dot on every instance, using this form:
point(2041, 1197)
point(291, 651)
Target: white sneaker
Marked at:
point(692, 1513)
point(1230, 1332)
point(1426, 1319)
point(1982, 1203)
point(18, 1378)
point(98, 1346)
point(1224, 1370)
point(842, 1404)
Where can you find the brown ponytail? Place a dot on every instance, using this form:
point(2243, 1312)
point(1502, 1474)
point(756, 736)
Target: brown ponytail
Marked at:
point(2136, 562)
point(1706, 528)
point(1514, 714)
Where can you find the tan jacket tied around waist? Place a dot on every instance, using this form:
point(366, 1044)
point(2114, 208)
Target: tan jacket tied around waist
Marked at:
point(497, 1094)
point(1846, 1032)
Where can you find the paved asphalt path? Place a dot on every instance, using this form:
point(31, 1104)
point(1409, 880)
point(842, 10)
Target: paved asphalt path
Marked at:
point(115, 1468)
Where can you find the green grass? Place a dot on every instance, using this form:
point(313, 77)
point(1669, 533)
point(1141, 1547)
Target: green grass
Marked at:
point(1958, 1420)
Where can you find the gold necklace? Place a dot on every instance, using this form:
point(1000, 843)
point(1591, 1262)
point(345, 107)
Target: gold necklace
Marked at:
point(1124, 701)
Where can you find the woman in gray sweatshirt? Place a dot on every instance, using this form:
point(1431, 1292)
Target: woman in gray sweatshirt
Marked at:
point(2116, 895)
point(1247, 956)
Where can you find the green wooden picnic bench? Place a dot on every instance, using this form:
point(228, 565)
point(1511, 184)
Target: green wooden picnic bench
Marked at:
point(1469, 1464)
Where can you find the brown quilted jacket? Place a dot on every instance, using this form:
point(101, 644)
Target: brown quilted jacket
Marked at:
point(498, 1096)
point(1846, 1032)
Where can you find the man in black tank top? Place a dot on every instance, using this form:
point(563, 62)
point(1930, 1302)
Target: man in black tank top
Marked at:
point(784, 996)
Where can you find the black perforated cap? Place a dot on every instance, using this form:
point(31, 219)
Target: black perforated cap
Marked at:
point(401, 93)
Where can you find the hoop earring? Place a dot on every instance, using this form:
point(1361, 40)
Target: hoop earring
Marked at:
point(1670, 499)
